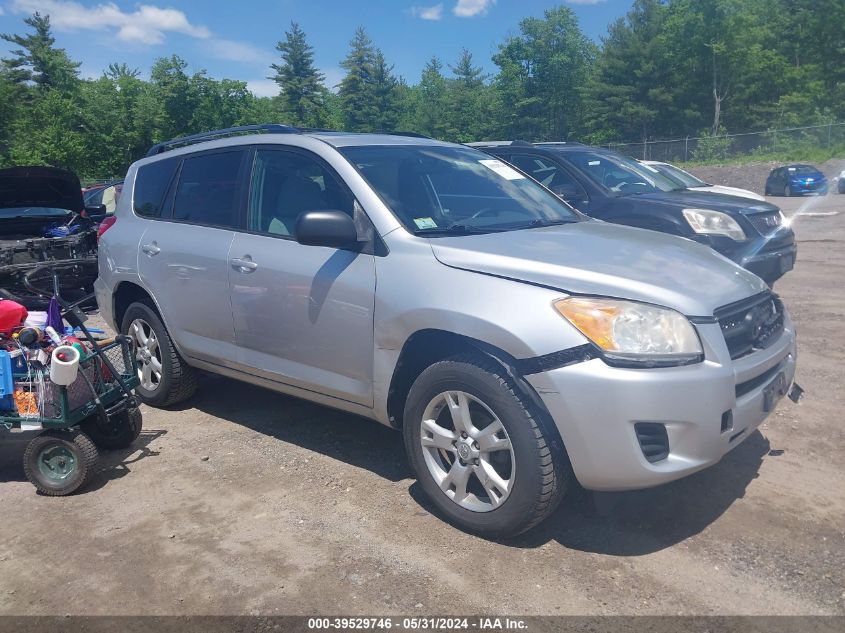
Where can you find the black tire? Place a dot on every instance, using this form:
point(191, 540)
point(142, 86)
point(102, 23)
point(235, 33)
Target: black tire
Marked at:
point(123, 429)
point(539, 470)
point(178, 379)
point(52, 448)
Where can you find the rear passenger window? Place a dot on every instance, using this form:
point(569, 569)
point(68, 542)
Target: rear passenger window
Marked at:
point(207, 192)
point(151, 184)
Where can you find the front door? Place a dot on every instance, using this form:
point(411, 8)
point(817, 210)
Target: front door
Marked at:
point(303, 315)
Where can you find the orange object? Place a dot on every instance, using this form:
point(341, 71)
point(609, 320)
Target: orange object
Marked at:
point(25, 402)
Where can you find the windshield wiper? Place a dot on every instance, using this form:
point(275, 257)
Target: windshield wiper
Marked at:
point(541, 223)
point(459, 229)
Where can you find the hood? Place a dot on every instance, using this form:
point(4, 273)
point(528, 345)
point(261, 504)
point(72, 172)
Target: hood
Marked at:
point(596, 258)
point(732, 191)
point(44, 187)
point(695, 198)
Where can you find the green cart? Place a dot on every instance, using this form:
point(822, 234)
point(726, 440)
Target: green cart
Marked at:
point(98, 411)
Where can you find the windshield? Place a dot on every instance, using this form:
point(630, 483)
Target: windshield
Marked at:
point(802, 170)
point(17, 212)
point(683, 178)
point(440, 190)
point(621, 175)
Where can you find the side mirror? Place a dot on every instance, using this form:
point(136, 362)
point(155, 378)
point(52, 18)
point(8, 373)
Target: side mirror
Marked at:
point(325, 228)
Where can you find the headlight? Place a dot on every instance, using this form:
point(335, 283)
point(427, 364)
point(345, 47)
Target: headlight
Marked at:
point(707, 222)
point(633, 334)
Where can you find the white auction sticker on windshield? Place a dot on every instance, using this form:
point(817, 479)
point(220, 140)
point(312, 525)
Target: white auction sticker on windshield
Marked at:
point(503, 170)
point(425, 223)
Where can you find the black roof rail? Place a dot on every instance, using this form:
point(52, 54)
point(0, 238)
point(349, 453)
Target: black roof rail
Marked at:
point(182, 141)
point(410, 134)
point(570, 143)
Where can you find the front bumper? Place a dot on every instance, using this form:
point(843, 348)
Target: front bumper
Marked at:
point(595, 408)
point(771, 265)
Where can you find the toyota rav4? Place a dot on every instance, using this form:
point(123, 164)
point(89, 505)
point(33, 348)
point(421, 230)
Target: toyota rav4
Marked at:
point(518, 345)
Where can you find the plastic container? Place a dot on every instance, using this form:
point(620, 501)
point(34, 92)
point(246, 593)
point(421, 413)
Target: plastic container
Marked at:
point(7, 383)
point(64, 366)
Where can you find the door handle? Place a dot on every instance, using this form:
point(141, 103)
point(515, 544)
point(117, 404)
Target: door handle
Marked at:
point(151, 249)
point(244, 264)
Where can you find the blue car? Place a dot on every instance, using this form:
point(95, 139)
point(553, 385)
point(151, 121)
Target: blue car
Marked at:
point(796, 180)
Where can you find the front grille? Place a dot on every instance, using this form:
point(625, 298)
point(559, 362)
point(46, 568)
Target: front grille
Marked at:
point(766, 223)
point(751, 324)
point(653, 439)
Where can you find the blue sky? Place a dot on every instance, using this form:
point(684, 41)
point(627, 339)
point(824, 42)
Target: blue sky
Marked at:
point(236, 39)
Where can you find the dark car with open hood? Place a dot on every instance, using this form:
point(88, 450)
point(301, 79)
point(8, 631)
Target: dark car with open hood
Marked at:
point(43, 219)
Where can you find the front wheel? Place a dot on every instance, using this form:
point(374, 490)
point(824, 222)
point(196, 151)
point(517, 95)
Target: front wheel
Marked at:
point(58, 463)
point(478, 450)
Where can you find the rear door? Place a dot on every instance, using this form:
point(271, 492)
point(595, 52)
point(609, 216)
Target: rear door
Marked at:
point(303, 315)
point(183, 257)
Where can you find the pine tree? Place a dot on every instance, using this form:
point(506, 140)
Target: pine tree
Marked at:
point(385, 94)
point(431, 100)
point(356, 94)
point(37, 60)
point(303, 94)
point(466, 100)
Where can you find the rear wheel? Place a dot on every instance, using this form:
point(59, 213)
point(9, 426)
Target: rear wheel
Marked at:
point(165, 377)
point(123, 429)
point(58, 463)
point(478, 450)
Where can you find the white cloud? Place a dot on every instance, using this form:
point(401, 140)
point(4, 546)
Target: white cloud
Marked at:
point(2, 11)
point(434, 12)
point(263, 87)
point(584, 1)
point(233, 51)
point(146, 25)
point(471, 8)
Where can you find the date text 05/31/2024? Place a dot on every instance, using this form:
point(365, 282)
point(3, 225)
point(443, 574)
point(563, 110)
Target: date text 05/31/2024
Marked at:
point(419, 623)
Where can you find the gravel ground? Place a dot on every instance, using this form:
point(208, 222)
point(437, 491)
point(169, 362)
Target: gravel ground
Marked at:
point(247, 502)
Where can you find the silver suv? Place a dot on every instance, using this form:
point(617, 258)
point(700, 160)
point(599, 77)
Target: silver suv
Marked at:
point(518, 345)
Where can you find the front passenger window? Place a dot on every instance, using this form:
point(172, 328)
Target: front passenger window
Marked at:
point(286, 184)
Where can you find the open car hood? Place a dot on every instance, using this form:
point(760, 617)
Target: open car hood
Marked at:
point(44, 187)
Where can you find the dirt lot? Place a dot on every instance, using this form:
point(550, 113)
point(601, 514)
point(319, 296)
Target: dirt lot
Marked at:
point(247, 502)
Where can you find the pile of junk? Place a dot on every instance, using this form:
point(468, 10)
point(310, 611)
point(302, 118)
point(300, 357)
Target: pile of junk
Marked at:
point(63, 381)
point(43, 218)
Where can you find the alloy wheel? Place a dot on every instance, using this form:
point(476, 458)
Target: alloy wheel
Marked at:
point(467, 451)
point(147, 353)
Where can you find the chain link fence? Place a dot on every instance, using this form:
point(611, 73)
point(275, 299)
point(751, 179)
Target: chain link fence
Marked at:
point(724, 146)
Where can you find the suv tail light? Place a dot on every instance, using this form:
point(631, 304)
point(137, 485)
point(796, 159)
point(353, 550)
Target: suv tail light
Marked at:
point(105, 225)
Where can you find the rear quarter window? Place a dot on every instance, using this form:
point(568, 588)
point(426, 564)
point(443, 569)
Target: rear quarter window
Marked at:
point(151, 183)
